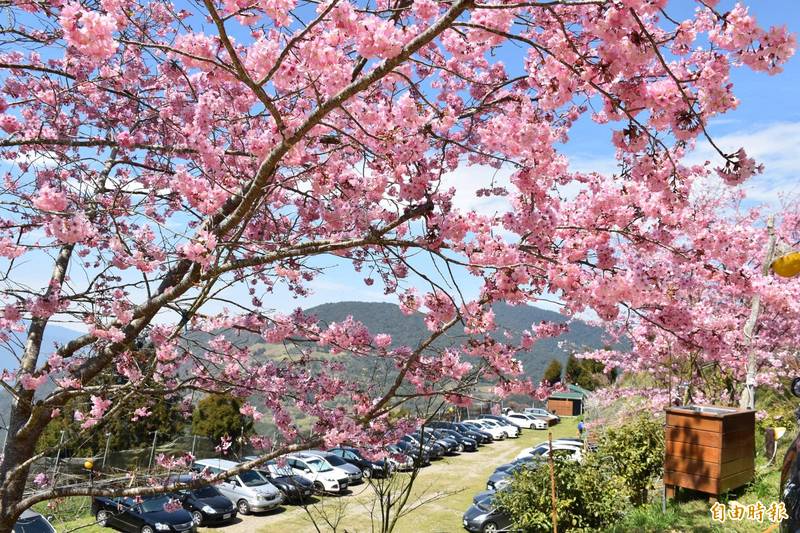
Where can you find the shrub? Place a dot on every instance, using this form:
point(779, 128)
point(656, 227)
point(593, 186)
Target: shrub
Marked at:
point(636, 452)
point(588, 496)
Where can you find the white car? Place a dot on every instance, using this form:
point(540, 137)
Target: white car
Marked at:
point(527, 421)
point(494, 431)
point(544, 414)
point(318, 471)
point(571, 450)
point(511, 431)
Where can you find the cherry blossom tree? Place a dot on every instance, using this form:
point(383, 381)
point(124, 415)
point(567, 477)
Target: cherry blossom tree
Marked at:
point(686, 319)
point(174, 164)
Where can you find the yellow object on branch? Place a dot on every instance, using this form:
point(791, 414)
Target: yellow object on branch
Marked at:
point(787, 265)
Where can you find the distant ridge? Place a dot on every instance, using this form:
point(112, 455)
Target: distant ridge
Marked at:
point(383, 317)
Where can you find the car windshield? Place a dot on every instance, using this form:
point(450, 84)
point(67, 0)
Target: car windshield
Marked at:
point(335, 460)
point(486, 504)
point(252, 479)
point(279, 471)
point(153, 505)
point(34, 524)
point(318, 465)
point(205, 492)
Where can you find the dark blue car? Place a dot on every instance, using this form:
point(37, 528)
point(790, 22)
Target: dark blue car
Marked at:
point(484, 517)
point(149, 516)
point(207, 504)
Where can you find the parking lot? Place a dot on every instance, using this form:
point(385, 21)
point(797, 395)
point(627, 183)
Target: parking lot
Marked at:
point(450, 483)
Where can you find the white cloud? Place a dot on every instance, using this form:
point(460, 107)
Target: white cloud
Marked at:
point(776, 146)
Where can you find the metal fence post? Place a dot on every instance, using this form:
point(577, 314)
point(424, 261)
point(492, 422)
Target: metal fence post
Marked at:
point(152, 450)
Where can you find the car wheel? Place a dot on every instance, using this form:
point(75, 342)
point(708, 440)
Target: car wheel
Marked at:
point(367, 472)
point(489, 527)
point(243, 506)
point(197, 518)
point(504, 436)
point(147, 529)
point(102, 518)
point(460, 447)
point(319, 487)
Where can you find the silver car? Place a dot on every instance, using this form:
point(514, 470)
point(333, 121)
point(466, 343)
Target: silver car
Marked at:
point(249, 490)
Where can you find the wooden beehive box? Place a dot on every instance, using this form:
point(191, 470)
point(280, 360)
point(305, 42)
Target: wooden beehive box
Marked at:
point(709, 449)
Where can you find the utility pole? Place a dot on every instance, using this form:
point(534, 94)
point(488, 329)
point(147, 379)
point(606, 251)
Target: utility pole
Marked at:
point(748, 399)
point(58, 454)
point(553, 498)
point(105, 453)
point(153, 450)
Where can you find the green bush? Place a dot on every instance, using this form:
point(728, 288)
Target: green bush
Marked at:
point(635, 450)
point(589, 496)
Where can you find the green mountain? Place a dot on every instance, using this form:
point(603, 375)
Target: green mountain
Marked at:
point(410, 330)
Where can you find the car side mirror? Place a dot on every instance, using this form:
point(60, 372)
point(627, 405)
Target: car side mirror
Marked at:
point(307, 470)
point(796, 387)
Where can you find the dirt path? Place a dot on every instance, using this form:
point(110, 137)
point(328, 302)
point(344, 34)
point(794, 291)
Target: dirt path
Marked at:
point(446, 487)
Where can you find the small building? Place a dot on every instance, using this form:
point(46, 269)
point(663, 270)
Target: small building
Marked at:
point(568, 402)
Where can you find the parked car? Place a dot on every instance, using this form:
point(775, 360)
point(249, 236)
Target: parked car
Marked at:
point(522, 460)
point(510, 429)
point(249, 490)
point(149, 516)
point(433, 450)
point(503, 475)
point(32, 522)
point(485, 517)
point(420, 457)
point(493, 430)
point(319, 472)
point(295, 489)
point(207, 505)
point(484, 493)
point(569, 450)
point(527, 421)
point(450, 445)
point(399, 460)
point(543, 413)
point(354, 474)
point(513, 429)
point(369, 468)
point(474, 433)
point(469, 444)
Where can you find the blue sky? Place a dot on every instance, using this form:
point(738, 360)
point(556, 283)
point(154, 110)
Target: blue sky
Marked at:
point(767, 124)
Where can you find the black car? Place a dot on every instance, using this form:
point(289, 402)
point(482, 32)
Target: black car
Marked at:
point(420, 457)
point(370, 468)
point(149, 516)
point(467, 444)
point(295, 489)
point(448, 445)
point(484, 517)
point(207, 505)
point(32, 522)
point(481, 436)
point(433, 450)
